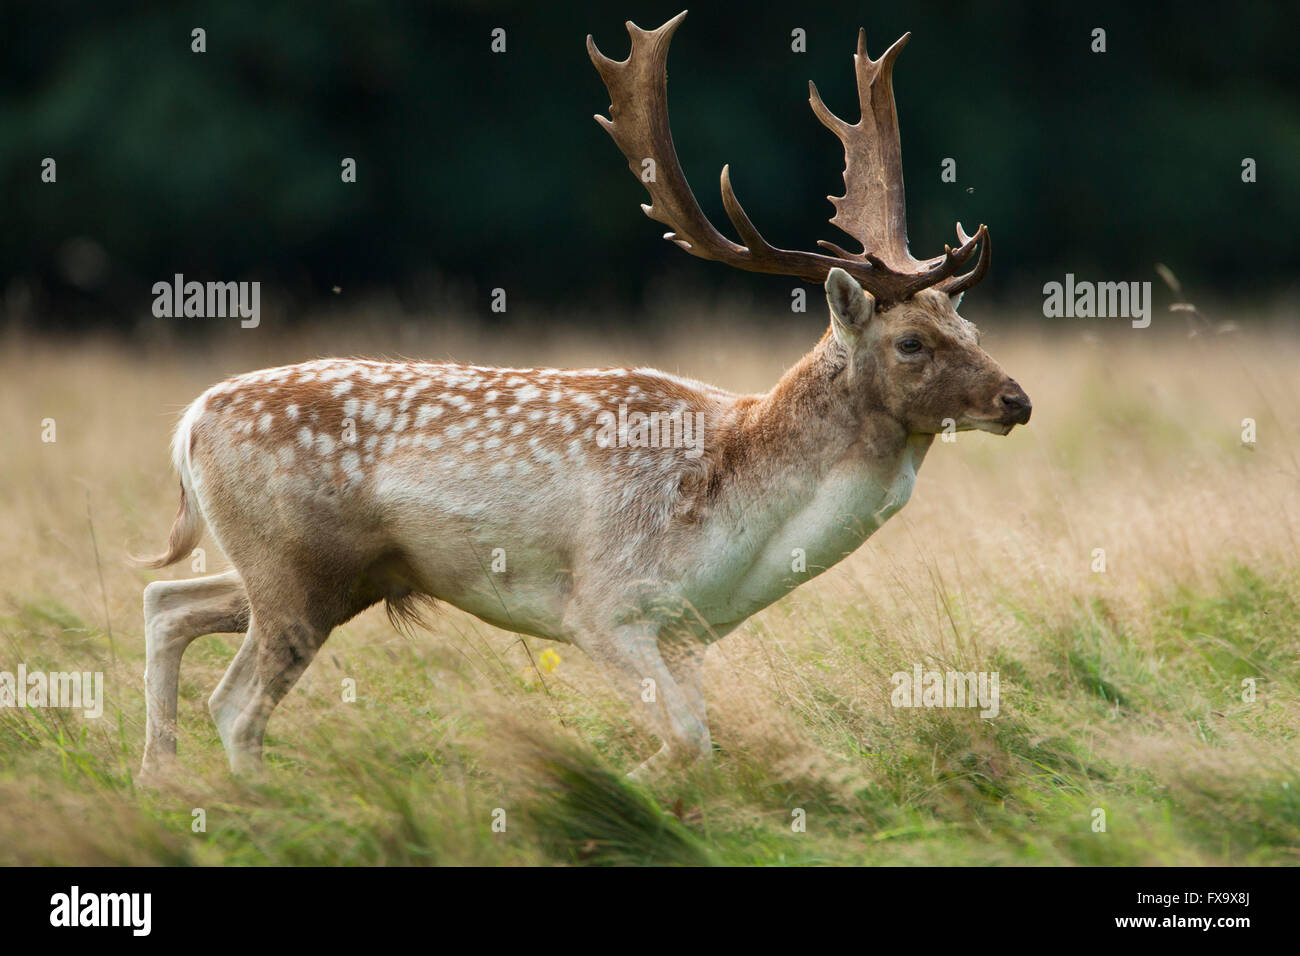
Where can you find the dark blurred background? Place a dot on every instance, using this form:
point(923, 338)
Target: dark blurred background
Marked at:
point(478, 170)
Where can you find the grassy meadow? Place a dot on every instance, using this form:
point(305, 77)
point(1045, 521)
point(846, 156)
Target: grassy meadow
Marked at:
point(1121, 691)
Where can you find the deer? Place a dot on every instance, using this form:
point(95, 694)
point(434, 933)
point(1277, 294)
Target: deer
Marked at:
point(337, 484)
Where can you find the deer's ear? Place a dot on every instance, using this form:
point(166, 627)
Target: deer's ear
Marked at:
point(956, 300)
point(851, 306)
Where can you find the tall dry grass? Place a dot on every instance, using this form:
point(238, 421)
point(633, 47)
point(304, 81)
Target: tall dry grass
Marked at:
point(1121, 691)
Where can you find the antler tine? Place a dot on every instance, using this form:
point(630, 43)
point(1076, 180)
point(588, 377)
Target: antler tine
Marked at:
point(951, 261)
point(753, 240)
point(959, 284)
point(835, 249)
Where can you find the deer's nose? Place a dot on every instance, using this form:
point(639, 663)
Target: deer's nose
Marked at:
point(1016, 406)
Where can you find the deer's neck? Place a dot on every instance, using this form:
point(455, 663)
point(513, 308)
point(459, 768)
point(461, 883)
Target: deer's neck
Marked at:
point(802, 476)
point(813, 423)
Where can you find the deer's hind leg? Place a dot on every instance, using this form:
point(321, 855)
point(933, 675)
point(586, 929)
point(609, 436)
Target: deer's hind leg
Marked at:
point(175, 613)
point(294, 610)
point(273, 656)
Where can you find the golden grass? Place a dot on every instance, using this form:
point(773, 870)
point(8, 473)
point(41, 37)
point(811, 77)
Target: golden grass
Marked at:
point(1120, 690)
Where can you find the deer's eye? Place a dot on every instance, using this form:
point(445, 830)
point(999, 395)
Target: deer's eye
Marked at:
point(909, 346)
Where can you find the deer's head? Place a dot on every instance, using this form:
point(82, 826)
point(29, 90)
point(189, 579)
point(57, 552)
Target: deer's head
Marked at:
point(894, 314)
point(921, 362)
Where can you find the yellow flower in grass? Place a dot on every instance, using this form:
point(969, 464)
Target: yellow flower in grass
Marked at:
point(549, 659)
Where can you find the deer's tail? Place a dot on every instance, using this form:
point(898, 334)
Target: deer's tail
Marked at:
point(187, 529)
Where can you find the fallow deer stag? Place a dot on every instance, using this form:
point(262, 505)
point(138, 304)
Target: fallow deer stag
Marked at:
point(627, 529)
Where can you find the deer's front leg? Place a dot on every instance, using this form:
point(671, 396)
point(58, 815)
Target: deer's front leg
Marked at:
point(631, 657)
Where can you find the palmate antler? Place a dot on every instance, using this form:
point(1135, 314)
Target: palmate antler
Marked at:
point(871, 210)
